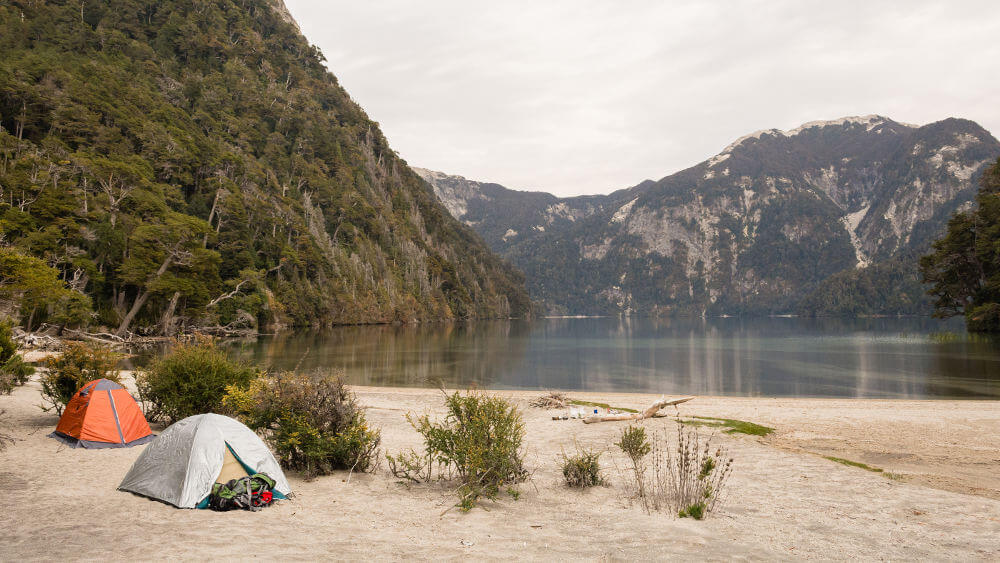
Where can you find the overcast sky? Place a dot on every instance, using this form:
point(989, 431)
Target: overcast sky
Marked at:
point(574, 97)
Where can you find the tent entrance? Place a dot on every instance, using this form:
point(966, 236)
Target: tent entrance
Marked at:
point(233, 468)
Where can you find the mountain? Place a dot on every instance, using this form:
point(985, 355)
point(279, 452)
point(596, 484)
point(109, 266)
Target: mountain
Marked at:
point(186, 162)
point(503, 216)
point(825, 218)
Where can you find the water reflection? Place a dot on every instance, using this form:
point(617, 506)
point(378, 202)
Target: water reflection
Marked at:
point(751, 357)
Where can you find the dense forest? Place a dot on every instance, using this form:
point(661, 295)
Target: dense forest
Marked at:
point(168, 163)
point(891, 287)
point(964, 266)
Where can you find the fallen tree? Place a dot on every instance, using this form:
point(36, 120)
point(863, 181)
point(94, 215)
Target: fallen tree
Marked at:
point(652, 411)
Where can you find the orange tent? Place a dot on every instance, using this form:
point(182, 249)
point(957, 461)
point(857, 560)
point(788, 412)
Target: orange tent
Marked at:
point(102, 415)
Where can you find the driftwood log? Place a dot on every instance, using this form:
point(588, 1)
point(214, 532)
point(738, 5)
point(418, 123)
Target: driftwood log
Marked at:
point(651, 411)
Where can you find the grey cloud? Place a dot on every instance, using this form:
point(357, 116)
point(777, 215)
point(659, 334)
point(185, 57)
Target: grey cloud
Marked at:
point(575, 97)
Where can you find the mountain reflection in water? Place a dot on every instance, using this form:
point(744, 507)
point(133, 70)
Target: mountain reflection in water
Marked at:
point(893, 358)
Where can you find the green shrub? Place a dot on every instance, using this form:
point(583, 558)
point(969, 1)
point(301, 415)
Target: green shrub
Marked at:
point(14, 371)
point(77, 365)
point(696, 511)
point(410, 465)
point(312, 422)
point(583, 469)
point(635, 444)
point(480, 440)
point(192, 379)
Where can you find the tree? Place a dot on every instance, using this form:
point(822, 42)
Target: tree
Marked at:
point(116, 179)
point(156, 249)
point(27, 284)
point(965, 264)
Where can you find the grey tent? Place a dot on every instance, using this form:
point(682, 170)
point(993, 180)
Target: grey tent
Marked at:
point(181, 465)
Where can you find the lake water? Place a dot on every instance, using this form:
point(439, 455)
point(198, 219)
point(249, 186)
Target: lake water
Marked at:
point(772, 357)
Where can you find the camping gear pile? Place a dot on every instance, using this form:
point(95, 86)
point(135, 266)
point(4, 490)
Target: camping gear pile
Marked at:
point(252, 492)
point(203, 461)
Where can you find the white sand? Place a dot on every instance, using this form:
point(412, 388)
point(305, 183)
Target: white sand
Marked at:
point(784, 501)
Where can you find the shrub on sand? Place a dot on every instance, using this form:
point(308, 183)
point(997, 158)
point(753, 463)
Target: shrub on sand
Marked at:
point(634, 443)
point(688, 478)
point(77, 365)
point(312, 422)
point(694, 477)
point(14, 371)
point(410, 465)
point(190, 380)
point(583, 469)
point(480, 439)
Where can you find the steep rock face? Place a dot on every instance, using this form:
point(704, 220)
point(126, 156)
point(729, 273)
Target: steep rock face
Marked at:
point(209, 138)
point(502, 216)
point(760, 226)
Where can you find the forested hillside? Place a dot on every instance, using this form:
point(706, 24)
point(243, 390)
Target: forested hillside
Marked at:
point(179, 162)
point(826, 219)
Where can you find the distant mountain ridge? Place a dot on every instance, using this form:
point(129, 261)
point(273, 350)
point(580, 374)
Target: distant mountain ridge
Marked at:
point(761, 227)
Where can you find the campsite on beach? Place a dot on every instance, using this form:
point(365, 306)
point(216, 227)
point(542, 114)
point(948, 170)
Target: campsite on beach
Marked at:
point(450, 280)
point(818, 478)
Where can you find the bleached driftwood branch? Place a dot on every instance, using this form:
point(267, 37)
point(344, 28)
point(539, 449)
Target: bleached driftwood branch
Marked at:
point(650, 412)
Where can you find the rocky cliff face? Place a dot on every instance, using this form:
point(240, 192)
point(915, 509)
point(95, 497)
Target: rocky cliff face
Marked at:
point(503, 217)
point(755, 229)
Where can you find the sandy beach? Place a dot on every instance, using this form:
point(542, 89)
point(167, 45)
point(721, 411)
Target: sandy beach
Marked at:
point(785, 501)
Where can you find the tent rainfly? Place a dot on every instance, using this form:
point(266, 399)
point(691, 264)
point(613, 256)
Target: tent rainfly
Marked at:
point(102, 414)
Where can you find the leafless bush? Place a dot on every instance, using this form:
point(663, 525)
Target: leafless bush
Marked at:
point(691, 477)
point(687, 479)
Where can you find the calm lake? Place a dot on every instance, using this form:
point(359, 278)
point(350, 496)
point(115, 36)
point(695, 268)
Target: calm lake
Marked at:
point(776, 357)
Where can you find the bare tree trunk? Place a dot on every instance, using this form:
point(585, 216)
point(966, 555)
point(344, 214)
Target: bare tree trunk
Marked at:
point(211, 215)
point(167, 320)
point(141, 298)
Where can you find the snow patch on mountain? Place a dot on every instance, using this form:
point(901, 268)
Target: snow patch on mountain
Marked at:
point(869, 121)
point(717, 159)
